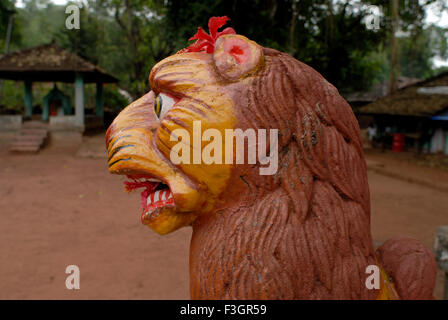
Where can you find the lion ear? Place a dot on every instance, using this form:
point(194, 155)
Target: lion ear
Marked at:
point(235, 56)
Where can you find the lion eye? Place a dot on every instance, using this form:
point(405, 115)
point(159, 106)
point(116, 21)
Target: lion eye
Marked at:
point(163, 104)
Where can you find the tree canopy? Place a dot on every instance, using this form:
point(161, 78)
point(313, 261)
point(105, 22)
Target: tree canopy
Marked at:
point(127, 37)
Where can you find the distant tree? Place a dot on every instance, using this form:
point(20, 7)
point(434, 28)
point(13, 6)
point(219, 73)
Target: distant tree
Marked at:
point(127, 37)
point(87, 41)
point(6, 10)
point(40, 20)
point(329, 35)
point(141, 31)
point(419, 49)
point(412, 47)
point(6, 7)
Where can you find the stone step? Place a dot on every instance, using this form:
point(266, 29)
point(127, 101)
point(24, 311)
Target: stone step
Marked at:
point(27, 143)
point(24, 148)
point(33, 128)
point(34, 124)
point(33, 132)
point(31, 137)
point(34, 139)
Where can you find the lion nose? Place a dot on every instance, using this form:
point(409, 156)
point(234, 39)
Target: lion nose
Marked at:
point(138, 115)
point(130, 130)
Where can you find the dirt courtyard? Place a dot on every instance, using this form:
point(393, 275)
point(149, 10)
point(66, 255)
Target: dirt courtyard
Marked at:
point(58, 209)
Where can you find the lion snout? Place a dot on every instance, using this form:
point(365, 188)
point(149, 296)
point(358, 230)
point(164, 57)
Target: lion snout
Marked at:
point(129, 135)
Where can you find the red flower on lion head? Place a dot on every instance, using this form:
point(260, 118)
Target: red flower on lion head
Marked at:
point(206, 42)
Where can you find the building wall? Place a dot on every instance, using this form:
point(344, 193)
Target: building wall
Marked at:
point(438, 141)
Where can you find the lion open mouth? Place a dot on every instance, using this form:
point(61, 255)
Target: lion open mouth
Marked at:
point(155, 196)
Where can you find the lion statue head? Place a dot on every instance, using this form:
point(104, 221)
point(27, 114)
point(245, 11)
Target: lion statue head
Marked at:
point(302, 231)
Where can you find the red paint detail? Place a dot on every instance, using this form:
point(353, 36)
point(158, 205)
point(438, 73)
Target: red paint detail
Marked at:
point(201, 35)
point(206, 42)
point(139, 176)
point(150, 187)
point(161, 202)
point(107, 137)
point(176, 99)
point(238, 49)
point(155, 205)
point(152, 199)
point(214, 23)
point(132, 185)
point(236, 52)
point(142, 217)
point(148, 192)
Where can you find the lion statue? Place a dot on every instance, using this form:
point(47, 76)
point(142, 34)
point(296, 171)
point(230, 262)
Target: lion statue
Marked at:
point(302, 232)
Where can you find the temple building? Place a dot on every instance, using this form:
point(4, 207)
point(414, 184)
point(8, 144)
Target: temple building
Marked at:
point(414, 117)
point(51, 63)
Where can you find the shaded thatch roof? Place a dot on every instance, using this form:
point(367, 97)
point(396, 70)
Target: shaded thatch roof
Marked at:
point(379, 90)
point(49, 62)
point(408, 102)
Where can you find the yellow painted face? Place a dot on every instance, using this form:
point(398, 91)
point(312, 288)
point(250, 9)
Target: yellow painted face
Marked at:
point(187, 92)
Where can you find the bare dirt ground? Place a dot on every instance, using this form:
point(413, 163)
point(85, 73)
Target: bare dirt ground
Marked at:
point(62, 207)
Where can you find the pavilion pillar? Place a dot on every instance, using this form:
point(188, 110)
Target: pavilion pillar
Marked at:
point(28, 99)
point(79, 101)
point(99, 99)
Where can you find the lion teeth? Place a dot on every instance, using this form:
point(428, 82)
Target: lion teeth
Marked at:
point(158, 199)
point(156, 196)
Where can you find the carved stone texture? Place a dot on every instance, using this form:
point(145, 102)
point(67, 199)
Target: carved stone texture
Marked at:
point(441, 250)
point(302, 232)
point(441, 247)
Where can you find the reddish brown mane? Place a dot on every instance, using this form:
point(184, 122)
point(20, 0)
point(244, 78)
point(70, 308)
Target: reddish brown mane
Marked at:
point(304, 232)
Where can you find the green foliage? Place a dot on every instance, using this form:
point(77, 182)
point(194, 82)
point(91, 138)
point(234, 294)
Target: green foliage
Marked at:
point(87, 42)
point(127, 37)
point(6, 7)
point(40, 20)
point(113, 100)
point(416, 55)
point(331, 38)
point(6, 10)
point(12, 98)
point(140, 26)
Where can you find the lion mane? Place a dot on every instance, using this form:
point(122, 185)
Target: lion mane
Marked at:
point(303, 233)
